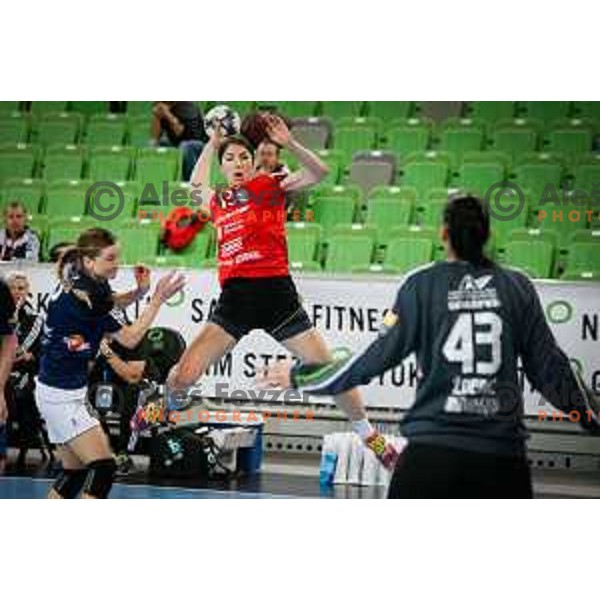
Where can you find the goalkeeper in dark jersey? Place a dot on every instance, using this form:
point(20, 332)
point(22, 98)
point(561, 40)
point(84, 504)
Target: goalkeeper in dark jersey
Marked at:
point(469, 321)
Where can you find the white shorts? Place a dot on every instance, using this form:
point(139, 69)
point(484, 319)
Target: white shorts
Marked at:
point(66, 412)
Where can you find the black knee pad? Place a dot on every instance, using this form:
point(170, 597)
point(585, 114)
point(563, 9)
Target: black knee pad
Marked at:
point(69, 483)
point(100, 477)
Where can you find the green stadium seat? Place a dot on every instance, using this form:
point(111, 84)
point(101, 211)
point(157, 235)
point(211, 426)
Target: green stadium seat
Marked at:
point(332, 211)
point(588, 236)
point(533, 235)
point(502, 229)
point(66, 198)
point(587, 176)
point(139, 244)
point(27, 191)
point(291, 108)
point(157, 165)
point(492, 111)
point(389, 110)
point(18, 160)
point(361, 135)
point(9, 107)
point(306, 267)
point(426, 170)
point(580, 276)
point(589, 110)
point(346, 253)
point(458, 136)
point(487, 156)
point(335, 161)
point(557, 219)
point(303, 241)
point(87, 108)
point(386, 213)
point(14, 128)
point(60, 235)
point(40, 107)
point(342, 190)
point(583, 257)
point(340, 109)
point(406, 136)
point(139, 131)
point(64, 162)
point(39, 223)
point(516, 137)
point(546, 111)
point(198, 251)
point(536, 259)
point(479, 177)
point(140, 108)
point(405, 254)
point(106, 130)
point(572, 137)
point(110, 163)
point(59, 128)
point(537, 170)
point(430, 213)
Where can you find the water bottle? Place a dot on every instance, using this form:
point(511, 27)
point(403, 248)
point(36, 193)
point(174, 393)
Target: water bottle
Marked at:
point(328, 461)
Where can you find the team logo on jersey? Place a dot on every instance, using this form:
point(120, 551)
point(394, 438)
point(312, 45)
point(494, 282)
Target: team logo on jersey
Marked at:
point(76, 343)
point(390, 320)
point(234, 197)
point(472, 284)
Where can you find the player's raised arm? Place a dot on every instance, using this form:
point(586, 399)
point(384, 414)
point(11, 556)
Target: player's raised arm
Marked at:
point(549, 370)
point(200, 179)
point(313, 168)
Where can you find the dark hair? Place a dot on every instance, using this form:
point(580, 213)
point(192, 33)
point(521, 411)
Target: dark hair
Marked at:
point(238, 140)
point(89, 245)
point(468, 223)
point(15, 204)
point(56, 251)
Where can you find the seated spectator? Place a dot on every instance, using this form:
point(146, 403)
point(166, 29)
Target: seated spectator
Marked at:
point(17, 241)
point(180, 124)
point(21, 385)
point(121, 371)
point(268, 160)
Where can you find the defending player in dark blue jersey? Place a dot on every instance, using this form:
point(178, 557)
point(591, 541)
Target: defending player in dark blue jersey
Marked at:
point(469, 321)
point(80, 313)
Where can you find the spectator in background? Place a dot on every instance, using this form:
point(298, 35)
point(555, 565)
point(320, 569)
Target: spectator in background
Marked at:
point(8, 345)
point(180, 124)
point(268, 160)
point(17, 241)
point(120, 371)
point(20, 391)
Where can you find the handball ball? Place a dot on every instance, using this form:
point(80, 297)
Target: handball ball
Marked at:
point(223, 116)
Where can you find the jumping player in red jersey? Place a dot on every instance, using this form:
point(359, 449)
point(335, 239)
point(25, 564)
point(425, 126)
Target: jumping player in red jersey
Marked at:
point(257, 291)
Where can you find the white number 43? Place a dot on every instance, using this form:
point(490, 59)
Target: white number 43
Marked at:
point(473, 330)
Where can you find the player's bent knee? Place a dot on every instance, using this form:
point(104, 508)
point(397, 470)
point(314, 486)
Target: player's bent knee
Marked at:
point(100, 478)
point(69, 483)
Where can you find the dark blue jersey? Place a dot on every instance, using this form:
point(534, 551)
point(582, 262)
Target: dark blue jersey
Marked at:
point(468, 327)
point(71, 338)
point(7, 310)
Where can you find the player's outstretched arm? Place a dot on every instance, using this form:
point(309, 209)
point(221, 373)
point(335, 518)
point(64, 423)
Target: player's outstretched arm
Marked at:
point(549, 370)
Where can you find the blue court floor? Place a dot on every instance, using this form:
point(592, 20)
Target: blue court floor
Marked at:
point(36, 488)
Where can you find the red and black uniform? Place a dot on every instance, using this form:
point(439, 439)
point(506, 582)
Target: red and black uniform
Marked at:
point(257, 291)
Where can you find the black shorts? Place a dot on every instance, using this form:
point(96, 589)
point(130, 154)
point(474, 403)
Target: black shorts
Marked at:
point(431, 471)
point(268, 303)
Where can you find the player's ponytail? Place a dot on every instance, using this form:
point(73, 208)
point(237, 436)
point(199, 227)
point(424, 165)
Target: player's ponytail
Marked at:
point(71, 262)
point(468, 224)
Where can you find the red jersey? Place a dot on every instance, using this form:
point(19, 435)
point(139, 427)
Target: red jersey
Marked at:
point(250, 224)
